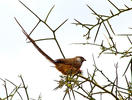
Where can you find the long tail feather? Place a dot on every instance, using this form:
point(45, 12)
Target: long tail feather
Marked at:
point(35, 45)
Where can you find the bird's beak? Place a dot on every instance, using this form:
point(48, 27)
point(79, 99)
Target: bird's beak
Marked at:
point(84, 59)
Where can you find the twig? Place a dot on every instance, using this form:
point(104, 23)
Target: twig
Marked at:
point(116, 66)
point(99, 87)
point(48, 14)
point(127, 67)
point(34, 28)
point(25, 88)
point(6, 90)
point(16, 88)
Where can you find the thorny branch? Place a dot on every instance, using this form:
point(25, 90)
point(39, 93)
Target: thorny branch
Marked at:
point(104, 21)
point(45, 22)
point(101, 19)
point(10, 95)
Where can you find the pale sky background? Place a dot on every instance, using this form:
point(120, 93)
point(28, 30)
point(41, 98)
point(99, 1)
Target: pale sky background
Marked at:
point(17, 57)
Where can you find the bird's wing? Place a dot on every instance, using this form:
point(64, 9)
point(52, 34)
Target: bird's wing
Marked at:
point(66, 61)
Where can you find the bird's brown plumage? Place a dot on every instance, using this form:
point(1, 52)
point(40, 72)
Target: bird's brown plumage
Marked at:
point(69, 65)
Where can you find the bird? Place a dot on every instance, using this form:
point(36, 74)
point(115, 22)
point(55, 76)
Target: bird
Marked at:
point(65, 66)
